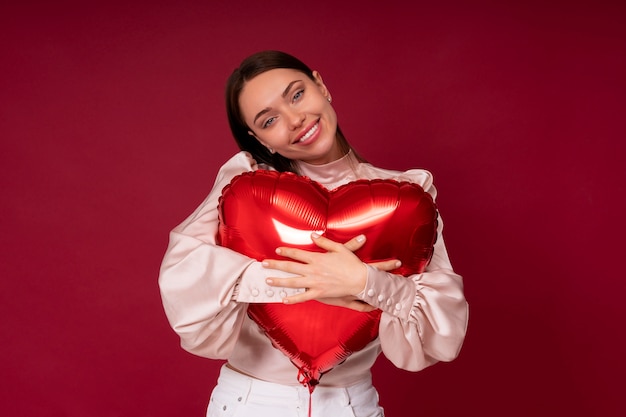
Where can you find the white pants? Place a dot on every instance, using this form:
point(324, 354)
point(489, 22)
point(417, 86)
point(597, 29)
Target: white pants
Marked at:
point(237, 395)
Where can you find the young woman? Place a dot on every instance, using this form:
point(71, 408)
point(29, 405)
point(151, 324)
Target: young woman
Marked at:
point(281, 116)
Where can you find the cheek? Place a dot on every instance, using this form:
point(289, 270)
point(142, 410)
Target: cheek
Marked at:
point(331, 116)
point(271, 138)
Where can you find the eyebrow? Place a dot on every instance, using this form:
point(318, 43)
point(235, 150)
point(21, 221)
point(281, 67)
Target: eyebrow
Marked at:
point(289, 87)
point(284, 94)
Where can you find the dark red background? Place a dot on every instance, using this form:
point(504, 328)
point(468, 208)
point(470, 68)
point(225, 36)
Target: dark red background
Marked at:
point(112, 129)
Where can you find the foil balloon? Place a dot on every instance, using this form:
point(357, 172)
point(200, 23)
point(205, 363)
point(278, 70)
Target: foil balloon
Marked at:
point(261, 210)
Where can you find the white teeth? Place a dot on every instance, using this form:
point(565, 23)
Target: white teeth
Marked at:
point(309, 133)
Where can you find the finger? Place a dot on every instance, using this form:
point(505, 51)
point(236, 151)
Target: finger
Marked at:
point(389, 265)
point(355, 244)
point(295, 254)
point(290, 282)
point(325, 243)
point(300, 298)
point(285, 266)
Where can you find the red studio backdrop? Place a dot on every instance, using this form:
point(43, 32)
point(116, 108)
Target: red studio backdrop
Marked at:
point(112, 128)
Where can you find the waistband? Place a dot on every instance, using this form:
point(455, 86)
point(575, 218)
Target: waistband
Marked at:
point(248, 387)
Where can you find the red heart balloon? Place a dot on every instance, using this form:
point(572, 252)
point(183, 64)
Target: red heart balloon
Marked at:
point(261, 210)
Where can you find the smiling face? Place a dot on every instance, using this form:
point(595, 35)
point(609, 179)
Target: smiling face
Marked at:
point(291, 114)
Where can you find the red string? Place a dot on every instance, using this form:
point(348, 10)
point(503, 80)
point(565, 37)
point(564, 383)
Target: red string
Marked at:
point(307, 381)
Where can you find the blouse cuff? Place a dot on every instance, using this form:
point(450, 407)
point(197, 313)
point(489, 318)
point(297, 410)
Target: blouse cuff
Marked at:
point(393, 294)
point(253, 289)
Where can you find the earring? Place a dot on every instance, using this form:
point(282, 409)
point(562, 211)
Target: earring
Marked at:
point(330, 99)
point(271, 150)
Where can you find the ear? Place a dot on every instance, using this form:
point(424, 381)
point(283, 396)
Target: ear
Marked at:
point(320, 83)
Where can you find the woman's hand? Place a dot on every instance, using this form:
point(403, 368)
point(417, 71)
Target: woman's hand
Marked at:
point(332, 277)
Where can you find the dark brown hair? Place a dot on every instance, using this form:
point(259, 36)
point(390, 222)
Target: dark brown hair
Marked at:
point(250, 67)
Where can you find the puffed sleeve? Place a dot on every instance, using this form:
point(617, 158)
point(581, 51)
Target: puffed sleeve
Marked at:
point(425, 315)
point(204, 287)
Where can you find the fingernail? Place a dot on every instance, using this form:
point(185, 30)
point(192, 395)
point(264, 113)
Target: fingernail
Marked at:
point(269, 281)
point(265, 264)
point(278, 251)
point(315, 235)
point(360, 238)
point(285, 301)
point(398, 264)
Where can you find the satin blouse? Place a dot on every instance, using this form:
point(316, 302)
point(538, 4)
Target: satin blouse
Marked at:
point(206, 289)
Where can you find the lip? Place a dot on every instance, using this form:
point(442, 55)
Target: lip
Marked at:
point(304, 131)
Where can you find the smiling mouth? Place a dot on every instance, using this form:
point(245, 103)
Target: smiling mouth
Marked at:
point(310, 133)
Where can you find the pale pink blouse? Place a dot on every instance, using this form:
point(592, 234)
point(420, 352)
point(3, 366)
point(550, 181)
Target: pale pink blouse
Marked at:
point(206, 288)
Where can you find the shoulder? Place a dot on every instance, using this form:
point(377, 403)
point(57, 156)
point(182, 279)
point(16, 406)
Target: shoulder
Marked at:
point(237, 164)
point(422, 177)
point(240, 160)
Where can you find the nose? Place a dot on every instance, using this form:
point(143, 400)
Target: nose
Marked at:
point(296, 119)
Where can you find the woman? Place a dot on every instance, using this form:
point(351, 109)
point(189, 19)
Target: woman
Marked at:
point(281, 116)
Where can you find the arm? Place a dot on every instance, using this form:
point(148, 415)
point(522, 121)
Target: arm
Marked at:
point(424, 315)
point(205, 287)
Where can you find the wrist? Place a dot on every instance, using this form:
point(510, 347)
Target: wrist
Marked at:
point(361, 282)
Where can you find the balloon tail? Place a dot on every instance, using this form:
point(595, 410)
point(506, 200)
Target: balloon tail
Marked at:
point(305, 379)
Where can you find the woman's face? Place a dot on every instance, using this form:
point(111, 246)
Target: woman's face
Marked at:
point(291, 114)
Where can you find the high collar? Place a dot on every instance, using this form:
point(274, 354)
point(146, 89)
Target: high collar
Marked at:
point(333, 173)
